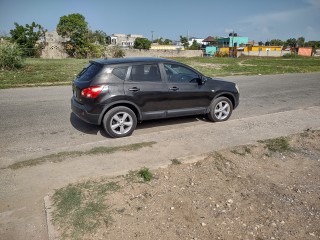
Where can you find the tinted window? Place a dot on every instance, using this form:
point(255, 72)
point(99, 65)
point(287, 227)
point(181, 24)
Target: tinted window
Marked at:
point(120, 72)
point(180, 74)
point(89, 72)
point(148, 72)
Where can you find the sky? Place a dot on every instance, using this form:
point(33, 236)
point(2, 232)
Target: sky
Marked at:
point(258, 20)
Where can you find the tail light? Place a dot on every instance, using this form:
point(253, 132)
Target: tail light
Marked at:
point(91, 92)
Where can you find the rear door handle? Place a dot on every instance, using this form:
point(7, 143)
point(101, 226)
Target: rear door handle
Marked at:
point(134, 89)
point(174, 88)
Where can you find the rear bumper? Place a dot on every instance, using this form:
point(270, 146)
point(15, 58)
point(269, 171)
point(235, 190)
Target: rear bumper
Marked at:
point(80, 111)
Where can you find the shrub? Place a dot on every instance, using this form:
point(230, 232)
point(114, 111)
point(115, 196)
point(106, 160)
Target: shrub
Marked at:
point(145, 174)
point(10, 56)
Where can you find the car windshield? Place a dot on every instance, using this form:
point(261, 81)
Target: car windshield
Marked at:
point(89, 72)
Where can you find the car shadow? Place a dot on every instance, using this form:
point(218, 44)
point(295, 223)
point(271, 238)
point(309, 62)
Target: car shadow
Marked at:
point(170, 122)
point(91, 129)
point(86, 127)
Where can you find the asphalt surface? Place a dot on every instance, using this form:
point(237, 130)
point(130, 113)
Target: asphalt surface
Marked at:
point(37, 121)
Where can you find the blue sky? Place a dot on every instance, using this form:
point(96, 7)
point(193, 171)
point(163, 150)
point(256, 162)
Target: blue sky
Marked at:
point(258, 20)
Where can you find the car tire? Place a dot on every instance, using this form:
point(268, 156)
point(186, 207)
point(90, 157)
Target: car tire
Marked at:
point(220, 109)
point(119, 122)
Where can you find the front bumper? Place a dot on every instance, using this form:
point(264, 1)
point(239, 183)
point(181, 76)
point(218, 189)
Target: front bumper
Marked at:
point(80, 111)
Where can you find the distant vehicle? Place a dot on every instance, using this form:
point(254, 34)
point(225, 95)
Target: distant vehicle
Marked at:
point(118, 93)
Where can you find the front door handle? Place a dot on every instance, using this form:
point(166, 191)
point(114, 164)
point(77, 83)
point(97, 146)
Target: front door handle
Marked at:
point(134, 89)
point(174, 88)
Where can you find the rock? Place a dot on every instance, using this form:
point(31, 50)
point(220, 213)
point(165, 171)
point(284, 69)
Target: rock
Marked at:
point(203, 224)
point(172, 208)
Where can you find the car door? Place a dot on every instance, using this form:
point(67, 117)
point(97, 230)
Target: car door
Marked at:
point(186, 95)
point(146, 88)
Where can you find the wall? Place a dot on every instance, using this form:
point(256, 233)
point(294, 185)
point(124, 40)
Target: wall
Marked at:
point(162, 53)
point(306, 51)
point(263, 53)
point(54, 47)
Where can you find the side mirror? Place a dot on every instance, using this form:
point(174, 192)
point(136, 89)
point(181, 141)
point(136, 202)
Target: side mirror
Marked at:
point(202, 80)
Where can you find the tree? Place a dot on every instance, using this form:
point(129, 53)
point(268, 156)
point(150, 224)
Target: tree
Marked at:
point(292, 42)
point(300, 41)
point(99, 37)
point(167, 42)
point(184, 41)
point(142, 43)
point(276, 42)
point(26, 37)
point(82, 42)
point(260, 43)
point(195, 45)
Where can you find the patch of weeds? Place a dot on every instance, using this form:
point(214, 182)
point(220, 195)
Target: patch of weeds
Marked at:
point(242, 151)
point(132, 176)
point(145, 174)
point(280, 144)
point(175, 161)
point(80, 209)
point(59, 157)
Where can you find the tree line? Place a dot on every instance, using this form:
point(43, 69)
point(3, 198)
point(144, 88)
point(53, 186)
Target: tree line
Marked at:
point(82, 42)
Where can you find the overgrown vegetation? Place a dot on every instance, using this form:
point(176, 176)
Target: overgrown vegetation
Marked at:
point(80, 209)
point(58, 157)
point(10, 56)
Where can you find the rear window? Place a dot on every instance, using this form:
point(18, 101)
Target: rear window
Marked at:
point(89, 72)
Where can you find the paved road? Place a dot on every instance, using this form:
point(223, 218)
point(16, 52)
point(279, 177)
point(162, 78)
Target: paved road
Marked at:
point(29, 129)
point(36, 121)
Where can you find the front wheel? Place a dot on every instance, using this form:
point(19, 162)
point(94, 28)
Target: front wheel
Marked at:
point(119, 122)
point(220, 109)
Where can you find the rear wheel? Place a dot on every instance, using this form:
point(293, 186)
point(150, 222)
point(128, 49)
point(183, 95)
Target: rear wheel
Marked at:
point(220, 109)
point(119, 122)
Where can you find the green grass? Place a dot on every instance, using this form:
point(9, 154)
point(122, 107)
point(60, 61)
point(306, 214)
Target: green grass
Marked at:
point(252, 66)
point(80, 209)
point(46, 72)
point(42, 72)
point(58, 157)
point(280, 144)
point(145, 174)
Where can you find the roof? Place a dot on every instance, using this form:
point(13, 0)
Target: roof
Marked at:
point(130, 60)
point(210, 39)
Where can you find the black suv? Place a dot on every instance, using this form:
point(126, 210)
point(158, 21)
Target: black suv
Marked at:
point(118, 93)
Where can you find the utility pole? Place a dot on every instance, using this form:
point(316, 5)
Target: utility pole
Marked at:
point(152, 35)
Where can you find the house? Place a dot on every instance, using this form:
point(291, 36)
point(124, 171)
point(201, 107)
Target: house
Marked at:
point(232, 41)
point(124, 40)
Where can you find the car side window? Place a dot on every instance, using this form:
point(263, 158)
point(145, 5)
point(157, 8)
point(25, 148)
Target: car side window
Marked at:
point(180, 74)
point(120, 72)
point(145, 72)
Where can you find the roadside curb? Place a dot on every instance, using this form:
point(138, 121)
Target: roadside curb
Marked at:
point(52, 233)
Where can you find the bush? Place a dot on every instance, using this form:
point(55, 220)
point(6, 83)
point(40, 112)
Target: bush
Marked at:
point(10, 56)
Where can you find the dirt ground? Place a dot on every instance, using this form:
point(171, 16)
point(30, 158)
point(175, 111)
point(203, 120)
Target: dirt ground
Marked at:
point(257, 191)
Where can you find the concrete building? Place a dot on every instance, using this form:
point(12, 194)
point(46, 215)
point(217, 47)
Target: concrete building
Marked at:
point(198, 40)
point(54, 47)
point(124, 40)
point(232, 41)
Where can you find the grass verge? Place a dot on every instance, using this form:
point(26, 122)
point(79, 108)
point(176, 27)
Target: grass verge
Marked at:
point(81, 209)
point(58, 157)
point(47, 72)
